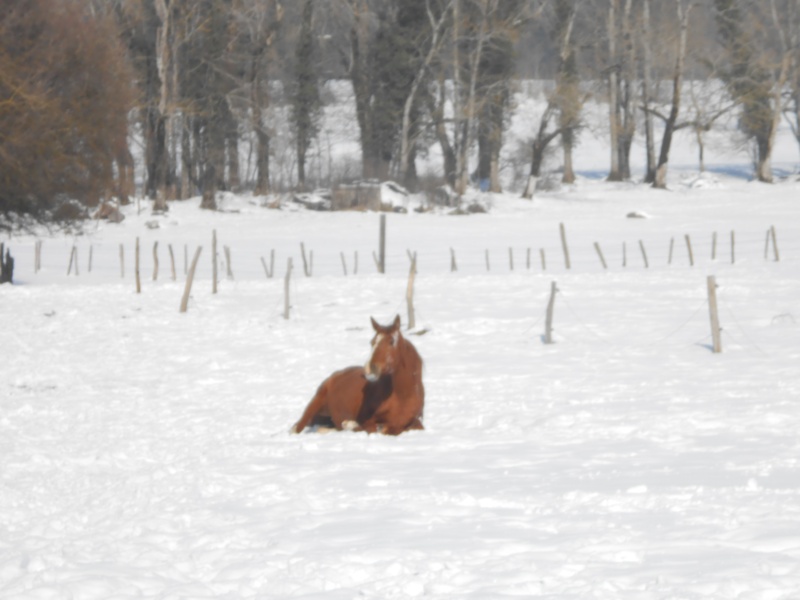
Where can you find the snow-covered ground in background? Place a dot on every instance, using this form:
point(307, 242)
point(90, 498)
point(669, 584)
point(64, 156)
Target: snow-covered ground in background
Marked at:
point(145, 453)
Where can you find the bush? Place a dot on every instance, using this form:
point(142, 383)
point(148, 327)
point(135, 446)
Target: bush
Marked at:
point(64, 100)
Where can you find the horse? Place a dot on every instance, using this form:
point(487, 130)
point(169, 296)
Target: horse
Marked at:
point(386, 395)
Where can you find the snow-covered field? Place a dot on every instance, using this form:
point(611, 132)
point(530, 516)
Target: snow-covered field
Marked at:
point(145, 453)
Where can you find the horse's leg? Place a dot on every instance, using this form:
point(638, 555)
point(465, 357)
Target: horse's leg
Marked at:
point(317, 403)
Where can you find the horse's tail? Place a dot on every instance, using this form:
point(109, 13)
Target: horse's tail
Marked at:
point(311, 411)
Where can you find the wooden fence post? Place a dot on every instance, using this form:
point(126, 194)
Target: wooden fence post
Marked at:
point(136, 268)
point(228, 268)
point(564, 244)
point(689, 248)
point(122, 261)
point(91, 254)
point(542, 257)
point(488, 267)
point(73, 258)
point(714, 246)
point(172, 261)
point(155, 261)
point(453, 265)
point(775, 244)
point(382, 246)
point(214, 261)
point(600, 254)
point(671, 247)
point(355, 262)
point(412, 273)
point(286, 305)
point(187, 288)
point(712, 309)
point(306, 269)
point(548, 325)
point(644, 254)
point(37, 260)
point(344, 263)
point(624, 254)
point(511, 259)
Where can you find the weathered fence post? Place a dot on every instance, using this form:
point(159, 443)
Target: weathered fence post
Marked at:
point(453, 265)
point(412, 273)
point(344, 263)
point(488, 267)
point(189, 279)
point(382, 246)
point(544, 262)
point(548, 325)
point(122, 261)
point(136, 268)
point(689, 248)
point(600, 254)
point(564, 244)
point(286, 305)
point(671, 247)
point(712, 309)
point(37, 262)
point(73, 258)
point(172, 261)
point(644, 254)
point(511, 259)
point(155, 261)
point(214, 261)
point(714, 246)
point(228, 268)
point(91, 255)
point(775, 244)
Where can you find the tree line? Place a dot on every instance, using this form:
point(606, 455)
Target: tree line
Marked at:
point(81, 81)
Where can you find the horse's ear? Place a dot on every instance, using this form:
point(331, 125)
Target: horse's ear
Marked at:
point(375, 325)
point(396, 323)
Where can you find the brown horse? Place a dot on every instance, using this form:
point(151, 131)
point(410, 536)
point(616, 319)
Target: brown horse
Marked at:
point(384, 396)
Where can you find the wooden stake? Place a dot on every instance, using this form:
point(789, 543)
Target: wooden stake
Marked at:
point(548, 325)
point(544, 262)
point(511, 259)
point(344, 263)
point(671, 246)
point(488, 267)
point(775, 244)
point(624, 254)
point(228, 269)
point(382, 246)
point(766, 245)
point(155, 261)
point(412, 273)
point(564, 244)
point(453, 265)
point(689, 248)
point(286, 305)
point(305, 260)
point(189, 279)
point(733, 247)
point(136, 269)
point(644, 254)
point(600, 254)
point(37, 260)
point(122, 261)
point(214, 261)
point(355, 262)
point(712, 309)
point(172, 261)
point(714, 246)
point(91, 253)
point(72, 260)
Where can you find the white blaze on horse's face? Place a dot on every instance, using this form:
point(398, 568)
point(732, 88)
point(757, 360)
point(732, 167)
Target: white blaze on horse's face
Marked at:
point(381, 360)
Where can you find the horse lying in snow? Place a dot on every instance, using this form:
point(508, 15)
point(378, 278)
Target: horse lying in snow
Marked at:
point(384, 396)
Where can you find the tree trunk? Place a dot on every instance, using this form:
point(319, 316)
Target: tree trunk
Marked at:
point(615, 124)
point(677, 84)
point(647, 66)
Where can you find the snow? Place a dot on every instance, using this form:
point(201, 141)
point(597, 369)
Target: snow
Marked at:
point(145, 453)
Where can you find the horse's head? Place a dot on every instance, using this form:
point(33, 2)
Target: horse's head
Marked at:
point(385, 344)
